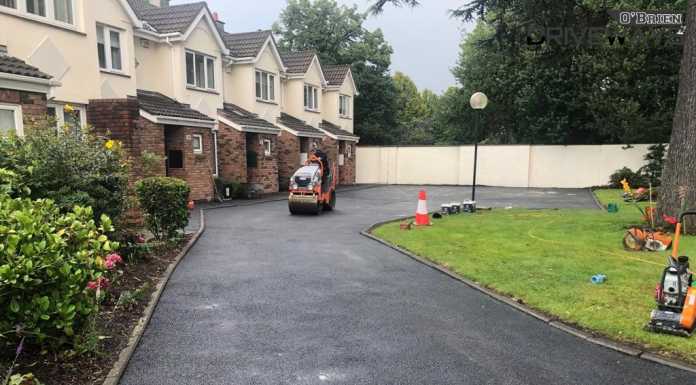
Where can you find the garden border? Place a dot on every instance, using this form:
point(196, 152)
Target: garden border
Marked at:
point(116, 372)
point(550, 320)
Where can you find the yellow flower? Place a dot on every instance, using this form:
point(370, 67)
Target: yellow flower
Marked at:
point(99, 261)
point(109, 144)
point(68, 108)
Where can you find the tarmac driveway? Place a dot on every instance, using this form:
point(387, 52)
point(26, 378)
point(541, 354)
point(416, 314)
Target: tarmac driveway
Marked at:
point(267, 298)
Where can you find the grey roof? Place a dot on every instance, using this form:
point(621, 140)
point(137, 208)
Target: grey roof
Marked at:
point(173, 18)
point(243, 117)
point(14, 66)
point(336, 130)
point(298, 62)
point(336, 74)
point(298, 125)
point(160, 105)
point(247, 44)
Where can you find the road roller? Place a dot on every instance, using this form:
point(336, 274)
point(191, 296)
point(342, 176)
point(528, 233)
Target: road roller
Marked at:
point(313, 186)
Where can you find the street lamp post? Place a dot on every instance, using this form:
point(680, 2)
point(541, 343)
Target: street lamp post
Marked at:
point(478, 101)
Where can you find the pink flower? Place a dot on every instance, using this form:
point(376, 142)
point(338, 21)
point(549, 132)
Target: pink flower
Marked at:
point(669, 219)
point(100, 283)
point(139, 238)
point(112, 260)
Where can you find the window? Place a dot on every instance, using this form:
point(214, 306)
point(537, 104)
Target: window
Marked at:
point(267, 147)
point(68, 119)
point(311, 98)
point(109, 49)
point(11, 119)
point(63, 10)
point(8, 3)
point(349, 151)
point(344, 106)
point(197, 144)
point(265, 86)
point(36, 7)
point(200, 71)
point(58, 10)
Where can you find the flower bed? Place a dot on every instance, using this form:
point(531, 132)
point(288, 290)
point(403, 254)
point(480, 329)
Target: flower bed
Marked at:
point(119, 313)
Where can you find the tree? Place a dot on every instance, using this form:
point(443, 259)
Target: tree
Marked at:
point(679, 175)
point(563, 92)
point(338, 36)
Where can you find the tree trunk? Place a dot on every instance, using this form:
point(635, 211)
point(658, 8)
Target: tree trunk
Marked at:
point(679, 175)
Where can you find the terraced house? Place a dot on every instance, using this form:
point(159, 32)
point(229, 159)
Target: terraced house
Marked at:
point(186, 98)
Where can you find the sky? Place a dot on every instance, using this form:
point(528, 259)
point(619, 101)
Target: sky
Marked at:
point(425, 39)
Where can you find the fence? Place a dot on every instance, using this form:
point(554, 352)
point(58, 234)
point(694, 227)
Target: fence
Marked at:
point(505, 166)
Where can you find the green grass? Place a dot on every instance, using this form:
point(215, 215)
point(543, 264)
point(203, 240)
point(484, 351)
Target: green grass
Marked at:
point(546, 258)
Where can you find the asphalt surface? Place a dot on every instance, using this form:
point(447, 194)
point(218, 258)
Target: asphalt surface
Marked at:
point(267, 298)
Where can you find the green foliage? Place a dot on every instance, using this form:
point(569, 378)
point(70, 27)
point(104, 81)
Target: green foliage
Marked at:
point(414, 111)
point(23, 379)
point(338, 35)
point(165, 203)
point(634, 178)
point(150, 163)
point(656, 163)
point(69, 170)
point(129, 299)
point(46, 260)
point(237, 190)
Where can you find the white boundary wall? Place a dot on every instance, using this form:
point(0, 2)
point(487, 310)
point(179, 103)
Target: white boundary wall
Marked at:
point(504, 166)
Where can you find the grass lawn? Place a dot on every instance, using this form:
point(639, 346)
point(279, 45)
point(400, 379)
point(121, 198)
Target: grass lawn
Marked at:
point(546, 258)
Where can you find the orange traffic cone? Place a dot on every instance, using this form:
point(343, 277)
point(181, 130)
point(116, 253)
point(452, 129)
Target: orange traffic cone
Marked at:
point(422, 217)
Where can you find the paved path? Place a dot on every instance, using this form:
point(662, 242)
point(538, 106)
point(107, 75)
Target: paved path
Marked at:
point(267, 298)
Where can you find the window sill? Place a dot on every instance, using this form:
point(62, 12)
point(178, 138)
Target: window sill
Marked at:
point(206, 90)
point(345, 117)
point(41, 20)
point(312, 111)
point(266, 101)
point(115, 73)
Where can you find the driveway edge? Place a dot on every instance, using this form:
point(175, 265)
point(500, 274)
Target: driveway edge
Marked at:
point(116, 372)
point(551, 321)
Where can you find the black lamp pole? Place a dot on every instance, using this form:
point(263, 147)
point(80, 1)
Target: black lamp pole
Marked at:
point(473, 186)
point(478, 101)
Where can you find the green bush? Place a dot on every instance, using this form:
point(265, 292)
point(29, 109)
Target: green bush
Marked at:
point(47, 259)
point(69, 170)
point(237, 190)
point(656, 162)
point(165, 203)
point(635, 179)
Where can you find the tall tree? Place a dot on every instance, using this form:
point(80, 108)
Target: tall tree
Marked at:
point(338, 35)
point(679, 175)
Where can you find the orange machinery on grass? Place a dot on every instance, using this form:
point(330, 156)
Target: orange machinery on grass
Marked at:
point(313, 186)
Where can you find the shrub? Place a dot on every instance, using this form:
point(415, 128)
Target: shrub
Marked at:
point(85, 171)
point(635, 179)
point(165, 203)
point(47, 260)
point(656, 162)
point(237, 190)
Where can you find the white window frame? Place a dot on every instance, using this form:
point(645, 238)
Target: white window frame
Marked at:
point(206, 76)
point(270, 88)
point(18, 116)
point(311, 98)
point(199, 137)
point(60, 115)
point(20, 9)
point(344, 111)
point(107, 49)
point(267, 147)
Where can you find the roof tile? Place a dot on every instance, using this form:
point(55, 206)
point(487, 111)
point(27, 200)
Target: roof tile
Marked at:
point(336, 74)
point(14, 66)
point(243, 117)
point(298, 125)
point(247, 44)
point(174, 18)
point(336, 130)
point(160, 105)
point(298, 62)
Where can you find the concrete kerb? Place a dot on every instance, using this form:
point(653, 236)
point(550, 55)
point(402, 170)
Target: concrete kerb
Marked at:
point(551, 321)
point(116, 372)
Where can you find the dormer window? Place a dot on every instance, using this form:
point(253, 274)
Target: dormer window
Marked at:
point(200, 71)
point(265, 86)
point(47, 11)
point(311, 98)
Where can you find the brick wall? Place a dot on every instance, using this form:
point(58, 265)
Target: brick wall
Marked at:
point(266, 171)
point(347, 171)
point(288, 157)
point(232, 154)
point(198, 168)
point(33, 104)
point(330, 147)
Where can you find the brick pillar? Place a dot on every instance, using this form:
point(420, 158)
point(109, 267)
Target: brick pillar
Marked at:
point(330, 147)
point(347, 171)
point(265, 173)
point(197, 169)
point(288, 157)
point(232, 154)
